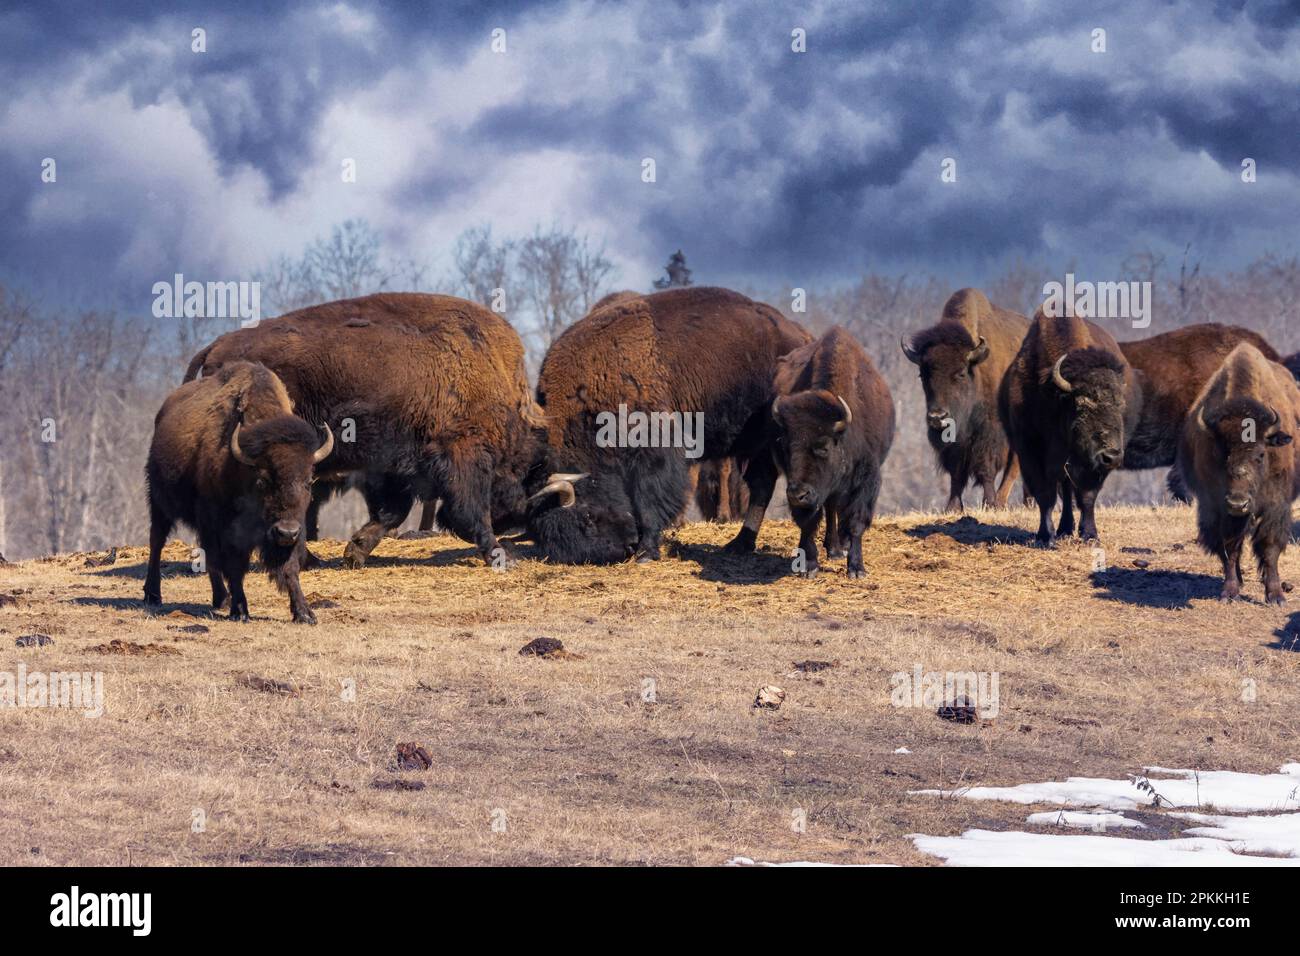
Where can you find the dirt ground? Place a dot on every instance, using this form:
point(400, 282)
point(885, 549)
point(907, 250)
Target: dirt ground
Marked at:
point(267, 742)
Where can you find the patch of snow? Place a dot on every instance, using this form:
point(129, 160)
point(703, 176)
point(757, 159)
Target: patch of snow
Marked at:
point(746, 861)
point(1278, 834)
point(1013, 848)
point(1084, 820)
point(1221, 789)
point(902, 750)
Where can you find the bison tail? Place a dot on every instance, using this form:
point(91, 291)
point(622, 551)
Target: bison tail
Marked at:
point(196, 363)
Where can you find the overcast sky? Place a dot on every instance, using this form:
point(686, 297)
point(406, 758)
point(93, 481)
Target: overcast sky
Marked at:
point(773, 167)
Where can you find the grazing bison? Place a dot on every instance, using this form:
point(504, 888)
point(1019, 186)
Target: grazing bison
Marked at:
point(1172, 368)
point(429, 398)
point(1238, 456)
point(833, 419)
point(962, 359)
point(675, 361)
point(1069, 400)
point(231, 460)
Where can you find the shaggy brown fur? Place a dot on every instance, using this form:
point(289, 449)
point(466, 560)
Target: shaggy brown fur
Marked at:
point(194, 477)
point(1238, 456)
point(1068, 440)
point(689, 350)
point(437, 390)
point(831, 455)
point(1173, 367)
point(961, 377)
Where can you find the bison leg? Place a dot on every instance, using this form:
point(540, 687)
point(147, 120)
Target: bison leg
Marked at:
point(1230, 554)
point(708, 491)
point(1087, 514)
point(833, 540)
point(760, 476)
point(808, 545)
point(856, 569)
point(1066, 526)
point(389, 500)
point(1009, 474)
point(466, 509)
point(1267, 551)
point(235, 566)
point(427, 512)
point(298, 606)
point(220, 596)
point(159, 527)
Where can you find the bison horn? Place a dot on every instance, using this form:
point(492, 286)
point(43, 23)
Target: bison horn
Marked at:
point(979, 353)
point(1274, 416)
point(326, 447)
point(911, 353)
point(1061, 382)
point(234, 446)
point(561, 484)
point(847, 420)
point(1200, 418)
point(776, 407)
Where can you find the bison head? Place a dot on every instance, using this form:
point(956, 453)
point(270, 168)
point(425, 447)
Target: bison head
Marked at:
point(947, 358)
point(280, 454)
point(1090, 385)
point(583, 519)
point(809, 446)
point(1243, 430)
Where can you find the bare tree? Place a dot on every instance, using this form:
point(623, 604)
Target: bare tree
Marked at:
point(562, 276)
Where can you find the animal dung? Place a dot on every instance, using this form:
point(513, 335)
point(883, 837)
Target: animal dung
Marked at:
point(269, 685)
point(411, 756)
point(549, 647)
point(769, 697)
point(34, 640)
point(132, 649)
point(812, 667)
point(960, 711)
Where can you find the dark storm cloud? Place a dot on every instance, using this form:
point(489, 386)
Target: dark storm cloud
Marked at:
point(773, 166)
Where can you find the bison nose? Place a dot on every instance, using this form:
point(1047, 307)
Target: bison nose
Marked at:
point(937, 418)
point(799, 494)
point(286, 532)
point(1108, 457)
point(1238, 504)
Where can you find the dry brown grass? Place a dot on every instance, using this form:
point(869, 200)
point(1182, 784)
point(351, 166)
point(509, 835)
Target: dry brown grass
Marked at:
point(1099, 675)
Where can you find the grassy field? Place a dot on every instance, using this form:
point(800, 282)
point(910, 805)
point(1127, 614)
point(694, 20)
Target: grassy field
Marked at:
point(223, 743)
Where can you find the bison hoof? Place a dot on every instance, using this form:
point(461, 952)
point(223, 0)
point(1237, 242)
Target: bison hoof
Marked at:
point(152, 600)
point(1276, 598)
point(809, 573)
point(646, 555)
point(835, 552)
point(240, 616)
point(304, 617)
point(353, 558)
point(856, 573)
point(740, 544)
point(1229, 594)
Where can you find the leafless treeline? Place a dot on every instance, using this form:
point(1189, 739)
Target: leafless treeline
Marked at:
point(79, 392)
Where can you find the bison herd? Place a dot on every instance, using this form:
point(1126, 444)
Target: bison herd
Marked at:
point(408, 396)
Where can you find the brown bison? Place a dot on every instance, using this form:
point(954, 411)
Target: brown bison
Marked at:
point(833, 419)
point(427, 394)
point(962, 360)
point(678, 360)
point(1173, 367)
point(1238, 457)
point(1069, 400)
point(231, 460)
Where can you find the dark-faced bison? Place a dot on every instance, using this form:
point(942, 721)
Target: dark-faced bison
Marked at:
point(962, 359)
point(428, 397)
point(833, 422)
point(1172, 368)
point(1069, 400)
point(231, 460)
point(698, 359)
point(1238, 456)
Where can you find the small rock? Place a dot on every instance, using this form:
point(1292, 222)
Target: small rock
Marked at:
point(960, 711)
point(769, 697)
point(34, 640)
point(8, 600)
point(1286, 586)
point(398, 783)
point(188, 628)
point(1137, 550)
point(1139, 563)
point(413, 757)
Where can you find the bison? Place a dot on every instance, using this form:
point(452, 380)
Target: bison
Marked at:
point(428, 395)
point(1173, 367)
point(1238, 456)
point(231, 460)
point(681, 358)
point(833, 419)
point(1069, 400)
point(962, 359)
